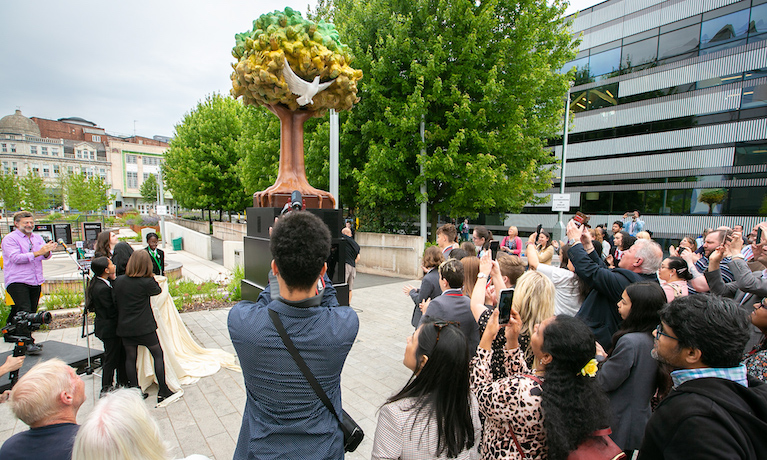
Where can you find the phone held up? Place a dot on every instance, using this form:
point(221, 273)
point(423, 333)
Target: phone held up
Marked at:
point(581, 219)
point(504, 306)
point(494, 246)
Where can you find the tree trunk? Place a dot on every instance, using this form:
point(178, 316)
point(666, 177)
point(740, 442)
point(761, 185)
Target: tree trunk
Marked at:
point(434, 221)
point(291, 175)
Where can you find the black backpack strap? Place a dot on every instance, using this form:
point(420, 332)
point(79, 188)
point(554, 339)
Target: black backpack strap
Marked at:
point(302, 365)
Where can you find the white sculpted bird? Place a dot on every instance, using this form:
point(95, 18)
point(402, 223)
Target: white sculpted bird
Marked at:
point(302, 88)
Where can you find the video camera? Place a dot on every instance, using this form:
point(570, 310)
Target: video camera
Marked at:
point(20, 332)
point(296, 203)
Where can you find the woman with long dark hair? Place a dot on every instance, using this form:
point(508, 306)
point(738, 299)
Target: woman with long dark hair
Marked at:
point(551, 413)
point(434, 415)
point(543, 247)
point(105, 242)
point(630, 375)
point(136, 324)
point(482, 238)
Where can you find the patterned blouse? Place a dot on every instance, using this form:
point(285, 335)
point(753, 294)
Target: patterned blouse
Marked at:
point(756, 361)
point(510, 403)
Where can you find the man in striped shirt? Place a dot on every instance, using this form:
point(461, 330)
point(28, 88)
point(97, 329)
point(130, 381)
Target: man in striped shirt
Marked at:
point(698, 265)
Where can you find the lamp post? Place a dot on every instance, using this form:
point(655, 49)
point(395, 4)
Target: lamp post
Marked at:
point(559, 230)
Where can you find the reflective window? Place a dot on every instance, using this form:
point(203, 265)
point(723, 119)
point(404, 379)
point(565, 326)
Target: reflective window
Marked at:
point(578, 64)
point(603, 97)
point(679, 42)
point(758, 23)
point(725, 28)
point(639, 53)
point(605, 62)
point(579, 101)
point(750, 155)
point(754, 96)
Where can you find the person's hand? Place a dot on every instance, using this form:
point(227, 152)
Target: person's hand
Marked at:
point(491, 330)
point(531, 239)
point(690, 257)
point(424, 305)
point(512, 330)
point(46, 248)
point(505, 249)
point(486, 263)
point(715, 257)
point(573, 231)
point(490, 294)
point(625, 215)
point(735, 243)
point(672, 251)
point(12, 363)
point(425, 269)
point(496, 269)
point(586, 238)
point(407, 288)
point(600, 350)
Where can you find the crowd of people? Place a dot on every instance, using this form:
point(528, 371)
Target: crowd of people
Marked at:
point(617, 352)
point(666, 355)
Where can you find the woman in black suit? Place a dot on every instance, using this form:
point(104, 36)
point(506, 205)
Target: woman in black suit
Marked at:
point(99, 300)
point(136, 324)
point(432, 258)
point(158, 255)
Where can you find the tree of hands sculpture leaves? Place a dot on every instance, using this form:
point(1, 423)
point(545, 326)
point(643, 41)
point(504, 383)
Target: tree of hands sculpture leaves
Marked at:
point(311, 50)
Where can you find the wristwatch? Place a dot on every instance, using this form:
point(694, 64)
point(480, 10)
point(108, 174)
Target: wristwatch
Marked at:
point(481, 275)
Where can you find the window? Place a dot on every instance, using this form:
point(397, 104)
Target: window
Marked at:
point(96, 138)
point(6, 167)
point(13, 148)
point(70, 170)
point(758, 23)
point(131, 159)
point(679, 42)
point(4, 148)
point(44, 150)
point(605, 62)
point(754, 96)
point(35, 168)
point(15, 168)
point(603, 97)
point(636, 54)
point(146, 177)
point(88, 172)
point(46, 171)
point(33, 149)
point(103, 174)
point(724, 29)
point(581, 70)
point(54, 151)
point(131, 179)
point(56, 170)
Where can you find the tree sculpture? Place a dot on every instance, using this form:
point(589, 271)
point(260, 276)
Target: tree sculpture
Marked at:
point(315, 56)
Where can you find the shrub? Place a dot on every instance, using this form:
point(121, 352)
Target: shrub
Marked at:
point(235, 285)
point(63, 297)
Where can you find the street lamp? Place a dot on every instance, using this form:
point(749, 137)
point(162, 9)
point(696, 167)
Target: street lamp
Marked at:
point(559, 230)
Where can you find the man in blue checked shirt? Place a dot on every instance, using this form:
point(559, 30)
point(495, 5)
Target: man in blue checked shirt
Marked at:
point(283, 417)
point(715, 410)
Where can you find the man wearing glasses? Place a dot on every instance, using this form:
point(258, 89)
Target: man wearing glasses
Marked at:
point(23, 255)
point(715, 410)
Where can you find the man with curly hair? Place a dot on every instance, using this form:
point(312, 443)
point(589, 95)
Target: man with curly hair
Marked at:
point(283, 416)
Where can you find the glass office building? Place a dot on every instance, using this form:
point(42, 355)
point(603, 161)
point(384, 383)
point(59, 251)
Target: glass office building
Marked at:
point(669, 114)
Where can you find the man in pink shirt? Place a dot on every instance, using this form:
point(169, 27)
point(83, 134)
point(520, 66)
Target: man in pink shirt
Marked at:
point(23, 255)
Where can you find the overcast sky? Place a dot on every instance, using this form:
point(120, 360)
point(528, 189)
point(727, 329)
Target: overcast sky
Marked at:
point(124, 65)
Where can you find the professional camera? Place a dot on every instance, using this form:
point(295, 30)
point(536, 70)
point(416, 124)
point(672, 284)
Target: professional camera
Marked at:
point(23, 324)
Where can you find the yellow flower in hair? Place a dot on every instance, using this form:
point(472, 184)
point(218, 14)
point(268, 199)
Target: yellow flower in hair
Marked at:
point(590, 368)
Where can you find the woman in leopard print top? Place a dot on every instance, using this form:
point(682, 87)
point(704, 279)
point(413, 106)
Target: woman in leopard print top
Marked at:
point(548, 417)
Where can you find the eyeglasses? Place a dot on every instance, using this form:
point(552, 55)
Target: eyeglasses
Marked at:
point(762, 304)
point(441, 324)
point(659, 332)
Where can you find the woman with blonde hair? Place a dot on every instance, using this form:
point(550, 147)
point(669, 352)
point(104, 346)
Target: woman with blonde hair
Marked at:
point(120, 427)
point(534, 300)
point(470, 272)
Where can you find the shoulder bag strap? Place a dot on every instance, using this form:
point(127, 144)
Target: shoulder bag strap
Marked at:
point(302, 365)
point(511, 432)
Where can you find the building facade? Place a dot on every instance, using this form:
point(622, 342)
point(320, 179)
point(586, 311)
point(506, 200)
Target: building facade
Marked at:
point(669, 115)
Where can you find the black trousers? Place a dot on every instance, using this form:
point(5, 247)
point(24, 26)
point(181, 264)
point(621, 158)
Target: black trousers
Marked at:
point(113, 360)
point(25, 298)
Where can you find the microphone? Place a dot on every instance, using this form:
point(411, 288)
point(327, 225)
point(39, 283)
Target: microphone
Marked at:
point(61, 242)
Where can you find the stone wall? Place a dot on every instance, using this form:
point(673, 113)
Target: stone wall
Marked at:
point(229, 231)
point(392, 255)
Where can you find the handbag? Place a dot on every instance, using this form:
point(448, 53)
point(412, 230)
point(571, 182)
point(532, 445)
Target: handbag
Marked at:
point(597, 446)
point(353, 434)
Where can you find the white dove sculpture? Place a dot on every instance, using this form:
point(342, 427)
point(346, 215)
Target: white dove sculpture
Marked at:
point(302, 88)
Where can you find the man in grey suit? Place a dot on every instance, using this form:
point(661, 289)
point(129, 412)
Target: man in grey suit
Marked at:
point(747, 288)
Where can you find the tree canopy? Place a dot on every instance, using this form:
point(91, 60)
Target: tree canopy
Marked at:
point(201, 164)
point(312, 49)
point(148, 189)
point(87, 193)
point(481, 75)
point(34, 196)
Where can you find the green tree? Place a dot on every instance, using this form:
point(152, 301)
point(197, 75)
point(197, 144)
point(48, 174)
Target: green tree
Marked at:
point(87, 194)
point(201, 165)
point(10, 194)
point(35, 197)
point(712, 197)
point(148, 189)
point(483, 76)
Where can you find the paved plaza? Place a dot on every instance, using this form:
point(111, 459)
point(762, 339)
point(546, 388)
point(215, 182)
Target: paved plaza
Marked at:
point(207, 419)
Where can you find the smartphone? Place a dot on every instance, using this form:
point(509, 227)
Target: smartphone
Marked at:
point(494, 245)
point(504, 305)
point(581, 218)
point(538, 232)
point(759, 236)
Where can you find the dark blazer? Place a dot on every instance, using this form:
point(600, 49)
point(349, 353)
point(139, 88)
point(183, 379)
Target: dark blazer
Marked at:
point(135, 315)
point(120, 255)
point(453, 306)
point(102, 303)
point(161, 256)
point(429, 290)
point(599, 310)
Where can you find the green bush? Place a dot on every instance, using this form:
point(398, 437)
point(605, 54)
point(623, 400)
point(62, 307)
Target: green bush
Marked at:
point(185, 291)
point(235, 285)
point(4, 310)
point(63, 297)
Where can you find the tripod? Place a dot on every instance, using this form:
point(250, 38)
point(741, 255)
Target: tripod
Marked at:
point(86, 332)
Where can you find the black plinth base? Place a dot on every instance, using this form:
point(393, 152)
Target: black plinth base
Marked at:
point(258, 257)
point(73, 355)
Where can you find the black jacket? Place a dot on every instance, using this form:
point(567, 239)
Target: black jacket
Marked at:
point(102, 302)
point(709, 418)
point(429, 290)
point(157, 270)
point(599, 310)
point(120, 256)
point(134, 309)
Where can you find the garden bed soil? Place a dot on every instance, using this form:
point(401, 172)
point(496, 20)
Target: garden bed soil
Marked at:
point(75, 319)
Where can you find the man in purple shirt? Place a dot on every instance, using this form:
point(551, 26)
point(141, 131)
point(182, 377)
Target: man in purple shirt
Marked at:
point(23, 254)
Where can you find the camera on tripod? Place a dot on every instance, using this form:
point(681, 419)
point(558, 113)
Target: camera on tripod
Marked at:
point(20, 329)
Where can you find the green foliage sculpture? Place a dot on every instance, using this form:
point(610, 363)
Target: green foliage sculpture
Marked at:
point(312, 50)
